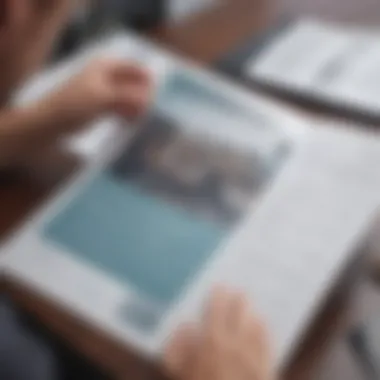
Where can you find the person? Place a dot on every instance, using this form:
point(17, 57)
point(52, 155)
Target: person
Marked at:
point(231, 343)
point(28, 31)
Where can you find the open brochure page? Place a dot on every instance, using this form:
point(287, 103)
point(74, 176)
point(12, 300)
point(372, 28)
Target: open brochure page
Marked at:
point(186, 179)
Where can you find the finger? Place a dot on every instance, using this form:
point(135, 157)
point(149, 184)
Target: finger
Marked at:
point(239, 316)
point(254, 353)
point(216, 312)
point(133, 101)
point(134, 95)
point(180, 351)
point(129, 72)
point(258, 338)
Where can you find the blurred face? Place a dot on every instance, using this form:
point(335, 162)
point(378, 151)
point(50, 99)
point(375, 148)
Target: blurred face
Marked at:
point(28, 31)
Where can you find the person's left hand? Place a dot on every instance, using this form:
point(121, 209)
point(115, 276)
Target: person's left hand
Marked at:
point(104, 86)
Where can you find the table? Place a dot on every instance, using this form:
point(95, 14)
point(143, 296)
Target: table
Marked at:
point(204, 38)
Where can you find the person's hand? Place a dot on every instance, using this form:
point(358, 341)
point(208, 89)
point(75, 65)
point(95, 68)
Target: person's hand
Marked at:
point(107, 86)
point(104, 86)
point(232, 344)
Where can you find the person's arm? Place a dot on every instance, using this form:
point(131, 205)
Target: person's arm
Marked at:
point(39, 23)
point(51, 17)
point(104, 86)
point(25, 130)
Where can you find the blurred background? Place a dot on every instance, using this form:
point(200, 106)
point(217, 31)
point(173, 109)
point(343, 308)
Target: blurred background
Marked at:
point(95, 17)
point(213, 32)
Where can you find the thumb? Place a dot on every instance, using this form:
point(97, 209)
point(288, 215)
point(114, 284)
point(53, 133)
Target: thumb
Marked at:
point(128, 72)
point(180, 351)
point(132, 100)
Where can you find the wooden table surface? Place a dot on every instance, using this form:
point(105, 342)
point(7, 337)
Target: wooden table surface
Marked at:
point(204, 38)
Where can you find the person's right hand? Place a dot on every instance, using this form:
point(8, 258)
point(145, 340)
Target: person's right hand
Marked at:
point(231, 345)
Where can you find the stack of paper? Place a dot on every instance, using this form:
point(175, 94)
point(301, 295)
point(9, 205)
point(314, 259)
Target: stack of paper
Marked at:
point(332, 63)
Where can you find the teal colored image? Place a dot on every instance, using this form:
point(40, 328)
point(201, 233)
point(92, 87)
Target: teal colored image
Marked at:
point(187, 97)
point(135, 237)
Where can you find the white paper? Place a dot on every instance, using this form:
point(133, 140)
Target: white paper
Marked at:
point(287, 256)
point(335, 63)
